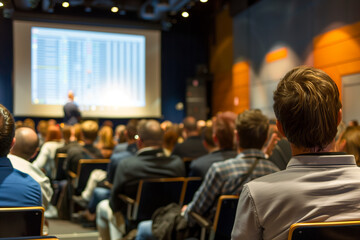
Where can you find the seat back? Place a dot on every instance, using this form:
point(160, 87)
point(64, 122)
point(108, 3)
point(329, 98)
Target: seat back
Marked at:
point(86, 166)
point(155, 193)
point(59, 162)
point(191, 185)
point(187, 161)
point(21, 221)
point(348, 230)
point(224, 217)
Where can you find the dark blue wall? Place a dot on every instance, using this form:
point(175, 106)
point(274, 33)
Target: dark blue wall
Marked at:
point(182, 50)
point(6, 63)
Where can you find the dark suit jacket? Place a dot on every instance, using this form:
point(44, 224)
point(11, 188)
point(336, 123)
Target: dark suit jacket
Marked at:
point(192, 147)
point(200, 166)
point(77, 152)
point(150, 163)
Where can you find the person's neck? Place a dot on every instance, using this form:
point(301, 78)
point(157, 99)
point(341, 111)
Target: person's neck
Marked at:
point(301, 150)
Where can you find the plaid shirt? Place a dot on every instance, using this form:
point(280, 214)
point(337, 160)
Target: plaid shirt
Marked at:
point(223, 178)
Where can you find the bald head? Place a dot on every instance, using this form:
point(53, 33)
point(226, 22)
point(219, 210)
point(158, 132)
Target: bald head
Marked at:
point(150, 133)
point(26, 143)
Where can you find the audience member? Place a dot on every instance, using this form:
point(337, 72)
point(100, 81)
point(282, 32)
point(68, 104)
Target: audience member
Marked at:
point(89, 130)
point(149, 162)
point(318, 184)
point(192, 146)
point(278, 147)
point(26, 146)
point(119, 137)
point(106, 142)
point(170, 139)
point(19, 124)
point(349, 142)
point(17, 189)
point(72, 113)
point(353, 123)
point(46, 158)
point(223, 137)
point(93, 194)
point(28, 122)
point(129, 135)
point(228, 177)
point(41, 128)
point(69, 141)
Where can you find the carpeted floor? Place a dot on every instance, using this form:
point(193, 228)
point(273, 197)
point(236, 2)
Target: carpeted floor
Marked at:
point(68, 230)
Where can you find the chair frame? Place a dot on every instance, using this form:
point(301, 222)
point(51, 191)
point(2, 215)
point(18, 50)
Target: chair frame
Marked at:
point(59, 168)
point(207, 225)
point(295, 226)
point(21, 209)
point(75, 176)
point(74, 184)
point(133, 204)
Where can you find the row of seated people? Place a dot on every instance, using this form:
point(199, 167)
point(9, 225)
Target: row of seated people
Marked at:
point(223, 177)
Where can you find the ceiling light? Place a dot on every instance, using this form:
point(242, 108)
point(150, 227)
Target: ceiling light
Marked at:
point(203, 1)
point(114, 9)
point(185, 14)
point(65, 4)
point(1, 4)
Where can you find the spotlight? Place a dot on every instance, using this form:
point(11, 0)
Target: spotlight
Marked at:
point(1, 4)
point(114, 9)
point(65, 4)
point(185, 14)
point(203, 1)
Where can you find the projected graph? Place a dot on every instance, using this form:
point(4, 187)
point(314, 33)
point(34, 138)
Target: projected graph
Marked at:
point(103, 69)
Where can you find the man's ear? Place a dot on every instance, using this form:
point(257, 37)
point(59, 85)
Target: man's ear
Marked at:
point(13, 142)
point(215, 139)
point(339, 117)
point(341, 145)
point(237, 139)
point(280, 128)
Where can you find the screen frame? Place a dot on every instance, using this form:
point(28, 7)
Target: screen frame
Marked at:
point(22, 73)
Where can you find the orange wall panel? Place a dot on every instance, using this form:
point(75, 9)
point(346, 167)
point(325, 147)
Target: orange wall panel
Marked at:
point(276, 55)
point(337, 52)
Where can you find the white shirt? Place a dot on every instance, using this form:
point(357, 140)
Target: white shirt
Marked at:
point(46, 157)
point(34, 172)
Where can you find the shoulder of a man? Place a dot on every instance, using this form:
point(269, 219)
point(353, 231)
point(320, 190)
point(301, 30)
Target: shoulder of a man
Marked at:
point(27, 187)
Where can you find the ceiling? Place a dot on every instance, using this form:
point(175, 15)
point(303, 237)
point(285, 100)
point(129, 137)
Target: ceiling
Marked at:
point(163, 12)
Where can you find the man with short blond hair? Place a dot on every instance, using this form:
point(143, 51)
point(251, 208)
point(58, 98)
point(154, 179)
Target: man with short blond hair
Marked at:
point(89, 130)
point(318, 184)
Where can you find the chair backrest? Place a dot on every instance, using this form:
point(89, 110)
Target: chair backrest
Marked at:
point(59, 162)
point(21, 221)
point(155, 193)
point(86, 166)
point(347, 230)
point(191, 185)
point(187, 161)
point(224, 217)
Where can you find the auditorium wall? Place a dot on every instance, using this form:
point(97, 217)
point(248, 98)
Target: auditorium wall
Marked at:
point(273, 36)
